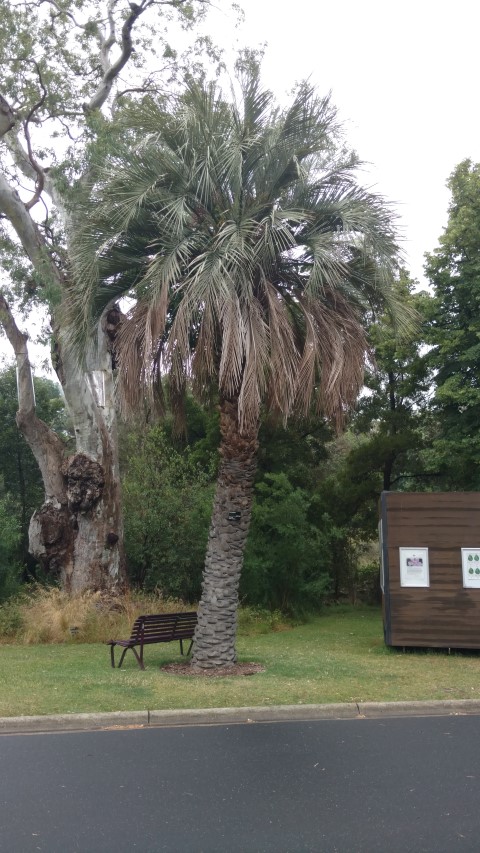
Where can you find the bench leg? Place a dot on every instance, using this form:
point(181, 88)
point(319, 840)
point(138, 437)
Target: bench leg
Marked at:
point(112, 656)
point(139, 657)
point(189, 648)
point(123, 655)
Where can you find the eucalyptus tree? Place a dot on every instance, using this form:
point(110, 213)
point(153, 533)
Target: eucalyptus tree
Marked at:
point(252, 254)
point(66, 66)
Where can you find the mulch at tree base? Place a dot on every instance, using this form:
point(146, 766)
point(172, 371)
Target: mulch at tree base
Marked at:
point(215, 672)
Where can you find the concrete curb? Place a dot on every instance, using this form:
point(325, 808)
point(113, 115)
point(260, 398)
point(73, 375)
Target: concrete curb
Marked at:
point(226, 716)
point(73, 722)
point(442, 707)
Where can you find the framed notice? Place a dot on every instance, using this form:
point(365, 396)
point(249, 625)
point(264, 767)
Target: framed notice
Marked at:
point(471, 567)
point(414, 567)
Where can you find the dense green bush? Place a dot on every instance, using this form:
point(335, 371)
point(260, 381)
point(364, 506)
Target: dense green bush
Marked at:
point(287, 558)
point(10, 539)
point(168, 503)
point(296, 555)
point(367, 583)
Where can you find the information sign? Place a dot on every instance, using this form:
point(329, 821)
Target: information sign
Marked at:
point(471, 567)
point(414, 569)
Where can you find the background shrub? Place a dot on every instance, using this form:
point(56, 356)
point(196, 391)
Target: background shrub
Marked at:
point(168, 503)
point(287, 557)
point(10, 541)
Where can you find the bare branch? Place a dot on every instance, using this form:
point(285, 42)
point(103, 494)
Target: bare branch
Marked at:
point(19, 156)
point(7, 117)
point(16, 338)
point(40, 180)
point(110, 41)
point(28, 233)
point(40, 175)
point(59, 10)
point(111, 72)
point(145, 90)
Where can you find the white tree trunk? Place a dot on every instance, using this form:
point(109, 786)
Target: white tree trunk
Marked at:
point(92, 474)
point(77, 535)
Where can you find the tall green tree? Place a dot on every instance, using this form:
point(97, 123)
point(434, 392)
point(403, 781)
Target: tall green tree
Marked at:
point(453, 332)
point(388, 429)
point(67, 67)
point(396, 385)
point(253, 254)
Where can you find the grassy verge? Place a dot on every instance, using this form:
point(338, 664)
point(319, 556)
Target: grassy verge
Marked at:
point(338, 657)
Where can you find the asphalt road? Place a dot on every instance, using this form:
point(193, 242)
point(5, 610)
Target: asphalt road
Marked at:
point(408, 785)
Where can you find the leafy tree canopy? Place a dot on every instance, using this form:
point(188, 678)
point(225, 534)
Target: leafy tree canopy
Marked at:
point(453, 331)
point(67, 67)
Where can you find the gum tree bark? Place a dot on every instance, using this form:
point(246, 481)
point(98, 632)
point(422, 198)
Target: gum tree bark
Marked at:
point(215, 634)
point(77, 534)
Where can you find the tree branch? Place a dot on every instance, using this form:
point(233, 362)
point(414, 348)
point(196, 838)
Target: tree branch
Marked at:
point(7, 117)
point(55, 6)
point(19, 155)
point(111, 72)
point(23, 161)
point(28, 233)
point(43, 441)
point(18, 341)
point(40, 174)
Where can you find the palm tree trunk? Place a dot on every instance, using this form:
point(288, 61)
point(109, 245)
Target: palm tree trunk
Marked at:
point(215, 635)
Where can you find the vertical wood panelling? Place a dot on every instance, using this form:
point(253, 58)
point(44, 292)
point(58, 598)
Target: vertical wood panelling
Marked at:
point(444, 614)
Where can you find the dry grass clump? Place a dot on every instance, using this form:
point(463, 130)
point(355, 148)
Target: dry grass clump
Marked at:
point(49, 615)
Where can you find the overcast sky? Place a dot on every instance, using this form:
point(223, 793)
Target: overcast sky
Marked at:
point(405, 79)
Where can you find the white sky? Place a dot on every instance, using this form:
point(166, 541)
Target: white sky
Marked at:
point(405, 79)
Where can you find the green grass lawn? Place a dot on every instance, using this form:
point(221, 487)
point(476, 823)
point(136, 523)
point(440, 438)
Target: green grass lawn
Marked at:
point(338, 657)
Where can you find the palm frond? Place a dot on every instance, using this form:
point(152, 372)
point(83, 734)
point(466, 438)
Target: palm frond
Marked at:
point(253, 253)
point(253, 382)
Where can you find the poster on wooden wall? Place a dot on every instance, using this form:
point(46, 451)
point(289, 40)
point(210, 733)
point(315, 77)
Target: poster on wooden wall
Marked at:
point(414, 569)
point(471, 567)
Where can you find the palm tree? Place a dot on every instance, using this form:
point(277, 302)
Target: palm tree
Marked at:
point(252, 254)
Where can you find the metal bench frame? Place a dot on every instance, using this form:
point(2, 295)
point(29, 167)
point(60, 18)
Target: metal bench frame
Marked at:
point(158, 628)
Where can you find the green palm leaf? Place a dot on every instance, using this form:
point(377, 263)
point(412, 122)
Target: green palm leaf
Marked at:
point(252, 250)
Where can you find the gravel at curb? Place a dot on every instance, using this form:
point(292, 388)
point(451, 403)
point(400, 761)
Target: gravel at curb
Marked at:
point(224, 716)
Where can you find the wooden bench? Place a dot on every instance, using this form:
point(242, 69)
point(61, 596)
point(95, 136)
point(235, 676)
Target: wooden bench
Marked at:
point(160, 628)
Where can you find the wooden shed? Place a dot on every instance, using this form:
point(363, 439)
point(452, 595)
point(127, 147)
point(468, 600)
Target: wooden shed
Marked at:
point(430, 568)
